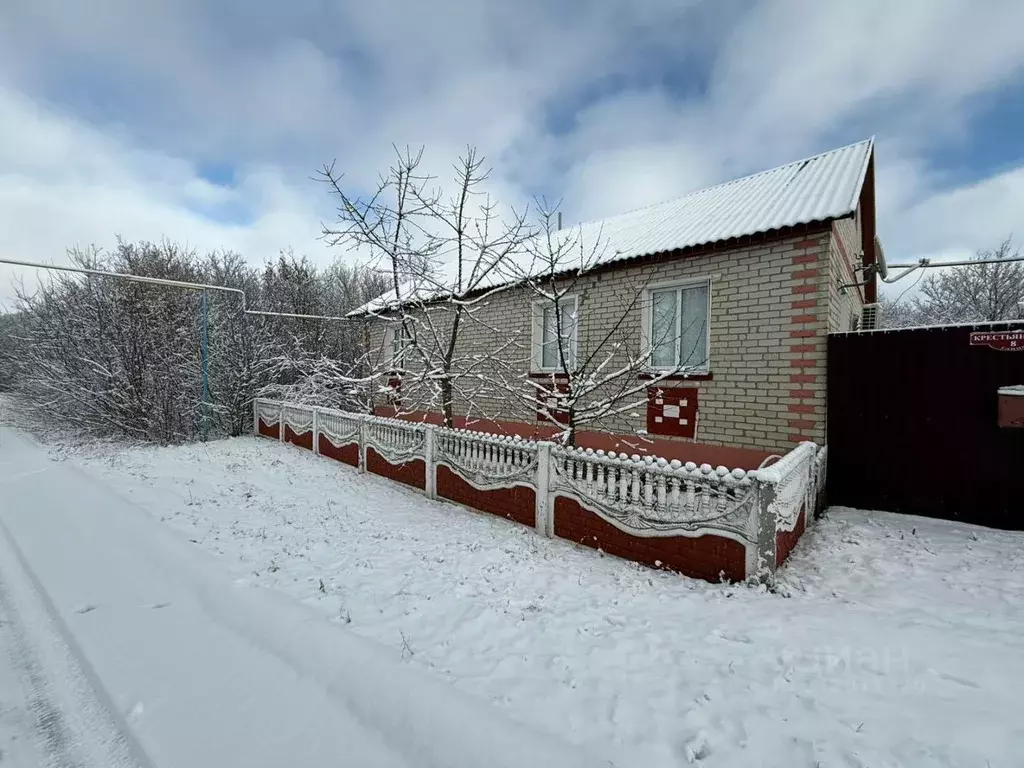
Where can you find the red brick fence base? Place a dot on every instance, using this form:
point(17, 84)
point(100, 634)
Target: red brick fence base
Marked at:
point(518, 503)
point(708, 557)
point(412, 473)
point(729, 557)
point(346, 454)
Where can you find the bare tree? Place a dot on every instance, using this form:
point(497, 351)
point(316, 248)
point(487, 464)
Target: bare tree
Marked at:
point(975, 293)
point(594, 370)
point(896, 313)
point(442, 254)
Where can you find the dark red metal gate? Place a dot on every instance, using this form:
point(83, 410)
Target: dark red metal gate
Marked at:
point(913, 423)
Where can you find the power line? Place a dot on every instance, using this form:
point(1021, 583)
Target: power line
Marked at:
point(175, 283)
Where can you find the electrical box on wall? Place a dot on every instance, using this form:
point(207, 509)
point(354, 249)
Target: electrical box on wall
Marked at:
point(548, 394)
point(393, 396)
point(672, 411)
point(1011, 406)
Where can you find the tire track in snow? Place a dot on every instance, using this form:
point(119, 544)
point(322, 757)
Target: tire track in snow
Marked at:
point(48, 722)
point(67, 725)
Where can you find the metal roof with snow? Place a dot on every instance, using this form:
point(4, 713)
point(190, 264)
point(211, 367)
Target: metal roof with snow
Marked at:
point(819, 188)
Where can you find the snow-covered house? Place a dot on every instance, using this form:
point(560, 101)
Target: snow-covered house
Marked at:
point(753, 274)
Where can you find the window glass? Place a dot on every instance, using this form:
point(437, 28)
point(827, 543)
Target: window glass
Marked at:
point(679, 327)
point(549, 357)
point(664, 327)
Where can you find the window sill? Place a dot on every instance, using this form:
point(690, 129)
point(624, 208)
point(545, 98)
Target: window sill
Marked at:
point(695, 376)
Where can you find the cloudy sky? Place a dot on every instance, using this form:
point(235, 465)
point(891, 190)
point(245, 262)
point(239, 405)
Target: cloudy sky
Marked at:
point(204, 120)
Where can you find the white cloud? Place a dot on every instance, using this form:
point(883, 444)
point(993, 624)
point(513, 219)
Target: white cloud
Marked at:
point(654, 99)
point(78, 186)
point(956, 222)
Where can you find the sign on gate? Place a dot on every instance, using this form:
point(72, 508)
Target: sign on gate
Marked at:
point(1011, 341)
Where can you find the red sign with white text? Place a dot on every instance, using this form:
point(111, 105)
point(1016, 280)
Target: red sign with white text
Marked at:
point(1011, 341)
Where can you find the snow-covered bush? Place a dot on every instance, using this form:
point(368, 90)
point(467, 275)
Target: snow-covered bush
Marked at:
point(116, 357)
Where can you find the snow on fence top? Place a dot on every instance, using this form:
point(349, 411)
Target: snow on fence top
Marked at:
point(642, 495)
point(396, 440)
point(793, 478)
point(338, 426)
point(485, 459)
point(650, 495)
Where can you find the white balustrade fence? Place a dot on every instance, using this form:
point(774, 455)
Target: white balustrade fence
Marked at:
point(648, 496)
point(395, 440)
point(642, 496)
point(794, 480)
point(337, 426)
point(486, 461)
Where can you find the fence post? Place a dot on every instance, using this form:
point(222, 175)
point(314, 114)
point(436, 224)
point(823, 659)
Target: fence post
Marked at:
point(362, 445)
point(544, 518)
point(428, 461)
point(761, 551)
point(316, 430)
point(280, 422)
point(256, 416)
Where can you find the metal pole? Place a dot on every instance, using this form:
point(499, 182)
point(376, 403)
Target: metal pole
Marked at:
point(204, 414)
point(969, 263)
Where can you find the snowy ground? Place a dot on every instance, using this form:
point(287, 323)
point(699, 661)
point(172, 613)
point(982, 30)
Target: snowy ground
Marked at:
point(188, 667)
point(895, 641)
point(50, 714)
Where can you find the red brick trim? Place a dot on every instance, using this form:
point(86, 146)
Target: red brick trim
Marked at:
point(807, 275)
point(843, 253)
point(665, 447)
point(804, 304)
point(801, 424)
point(804, 273)
point(800, 439)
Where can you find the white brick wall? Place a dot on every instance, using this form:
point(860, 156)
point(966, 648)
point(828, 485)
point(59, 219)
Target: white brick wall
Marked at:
point(772, 304)
point(844, 307)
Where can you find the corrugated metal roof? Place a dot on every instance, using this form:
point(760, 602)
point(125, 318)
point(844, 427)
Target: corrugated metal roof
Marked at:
point(818, 188)
point(822, 187)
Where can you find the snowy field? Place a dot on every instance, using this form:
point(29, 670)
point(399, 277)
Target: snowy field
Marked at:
point(893, 641)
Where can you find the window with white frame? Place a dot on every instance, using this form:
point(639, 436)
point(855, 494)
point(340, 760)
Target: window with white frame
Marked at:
point(549, 324)
point(399, 342)
point(677, 326)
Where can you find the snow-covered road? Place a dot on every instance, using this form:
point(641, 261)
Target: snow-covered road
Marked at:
point(894, 641)
point(196, 671)
point(50, 714)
